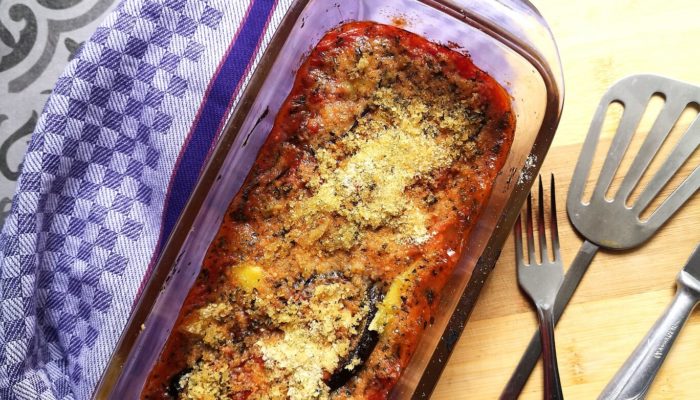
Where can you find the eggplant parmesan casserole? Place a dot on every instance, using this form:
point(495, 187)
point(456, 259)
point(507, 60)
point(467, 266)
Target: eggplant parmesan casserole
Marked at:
point(330, 260)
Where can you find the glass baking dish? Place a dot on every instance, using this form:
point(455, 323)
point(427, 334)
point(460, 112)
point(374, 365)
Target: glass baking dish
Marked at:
point(509, 39)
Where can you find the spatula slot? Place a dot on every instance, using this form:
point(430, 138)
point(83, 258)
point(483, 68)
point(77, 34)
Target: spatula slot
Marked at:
point(667, 193)
point(631, 116)
point(613, 115)
point(680, 141)
point(656, 110)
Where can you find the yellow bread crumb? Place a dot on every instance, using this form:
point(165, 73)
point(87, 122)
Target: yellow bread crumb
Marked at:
point(316, 335)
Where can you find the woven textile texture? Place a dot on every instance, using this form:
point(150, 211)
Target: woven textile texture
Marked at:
point(115, 154)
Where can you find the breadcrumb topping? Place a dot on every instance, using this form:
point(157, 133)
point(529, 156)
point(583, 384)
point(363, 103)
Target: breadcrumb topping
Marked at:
point(207, 381)
point(327, 265)
point(315, 336)
point(364, 175)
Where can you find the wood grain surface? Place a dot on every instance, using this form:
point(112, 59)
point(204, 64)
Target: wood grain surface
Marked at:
point(623, 293)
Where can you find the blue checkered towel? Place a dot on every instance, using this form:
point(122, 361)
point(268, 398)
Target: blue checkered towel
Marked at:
point(111, 163)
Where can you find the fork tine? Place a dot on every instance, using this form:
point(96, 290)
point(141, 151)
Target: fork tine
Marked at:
point(683, 150)
point(631, 117)
point(675, 200)
point(540, 224)
point(655, 138)
point(530, 232)
point(518, 238)
point(553, 221)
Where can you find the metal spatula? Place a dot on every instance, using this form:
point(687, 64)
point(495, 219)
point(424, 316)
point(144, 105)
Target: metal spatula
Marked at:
point(612, 224)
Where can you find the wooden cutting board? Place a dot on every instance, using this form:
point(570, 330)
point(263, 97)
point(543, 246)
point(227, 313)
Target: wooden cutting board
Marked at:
point(623, 293)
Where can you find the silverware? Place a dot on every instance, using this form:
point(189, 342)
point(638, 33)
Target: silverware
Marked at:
point(612, 224)
point(541, 282)
point(635, 376)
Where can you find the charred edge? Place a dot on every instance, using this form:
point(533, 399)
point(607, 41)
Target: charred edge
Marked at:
point(365, 345)
point(174, 388)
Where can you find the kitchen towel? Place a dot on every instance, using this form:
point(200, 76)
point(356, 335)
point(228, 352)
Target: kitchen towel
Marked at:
point(114, 156)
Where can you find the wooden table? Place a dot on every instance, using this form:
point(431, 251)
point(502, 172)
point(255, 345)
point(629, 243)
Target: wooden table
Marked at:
point(623, 293)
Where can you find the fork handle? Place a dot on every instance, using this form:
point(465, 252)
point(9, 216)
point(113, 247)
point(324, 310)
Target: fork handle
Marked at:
point(635, 376)
point(527, 363)
point(552, 384)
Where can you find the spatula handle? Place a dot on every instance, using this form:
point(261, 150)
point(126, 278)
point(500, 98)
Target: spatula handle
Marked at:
point(529, 359)
point(635, 376)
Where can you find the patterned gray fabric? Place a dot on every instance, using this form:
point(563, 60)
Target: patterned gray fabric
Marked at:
point(112, 149)
point(37, 39)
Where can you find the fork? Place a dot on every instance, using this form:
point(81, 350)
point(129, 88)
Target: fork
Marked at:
point(541, 282)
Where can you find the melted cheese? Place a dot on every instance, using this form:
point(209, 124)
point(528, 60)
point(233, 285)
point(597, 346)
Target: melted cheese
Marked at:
point(391, 304)
point(247, 276)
